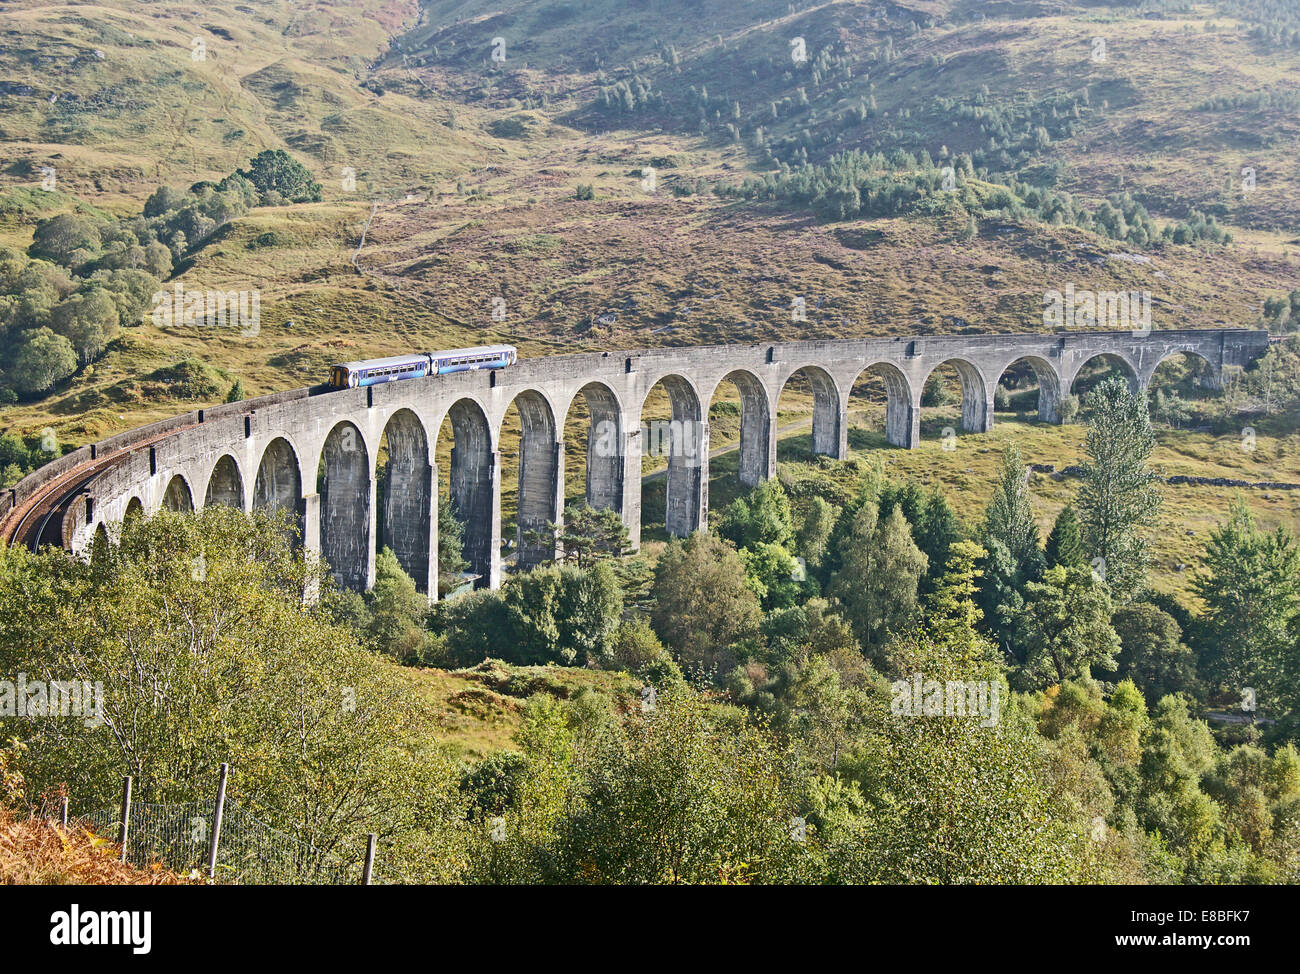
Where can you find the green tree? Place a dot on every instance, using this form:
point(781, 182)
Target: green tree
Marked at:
point(703, 605)
point(814, 532)
point(1066, 625)
point(68, 239)
point(877, 583)
point(1152, 653)
point(196, 626)
point(43, 360)
point(1119, 496)
point(278, 177)
point(761, 517)
point(1065, 543)
point(1250, 587)
point(88, 321)
point(590, 534)
point(951, 611)
point(451, 548)
point(1008, 518)
point(397, 613)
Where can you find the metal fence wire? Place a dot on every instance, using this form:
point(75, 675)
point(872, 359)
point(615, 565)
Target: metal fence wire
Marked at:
point(250, 852)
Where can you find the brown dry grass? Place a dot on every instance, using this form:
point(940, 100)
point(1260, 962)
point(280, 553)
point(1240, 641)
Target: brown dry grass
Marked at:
point(36, 852)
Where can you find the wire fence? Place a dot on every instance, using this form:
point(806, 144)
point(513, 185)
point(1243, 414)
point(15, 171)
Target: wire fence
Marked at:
point(248, 851)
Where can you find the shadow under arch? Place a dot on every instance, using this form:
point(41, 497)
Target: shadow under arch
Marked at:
point(605, 451)
point(472, 485)
point(346, 493)
point(225, 485)
point(540, 495)
point(177, 496)
point(407, 505)
point(1089, 374)
point(278, 488)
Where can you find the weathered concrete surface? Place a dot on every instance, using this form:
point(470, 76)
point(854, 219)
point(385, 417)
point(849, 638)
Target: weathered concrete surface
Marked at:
point(266, 453)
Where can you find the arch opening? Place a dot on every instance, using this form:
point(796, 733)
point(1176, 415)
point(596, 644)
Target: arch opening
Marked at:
point(405, 499)
point(1100, 367)
point(1181, 384)
point(976, 406)
point(134, 508)
point(742, 416)
point(884, 402)
point(464, 447)
point(532, 494)
point(599, 451)
point(674, 436)
point(346, 493)
point(811, 389)
point(278, 488)
point(1029, 382)
point(225, 486)
point(177, 496)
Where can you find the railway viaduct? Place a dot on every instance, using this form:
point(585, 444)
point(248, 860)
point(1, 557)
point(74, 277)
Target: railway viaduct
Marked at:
point(266, 453)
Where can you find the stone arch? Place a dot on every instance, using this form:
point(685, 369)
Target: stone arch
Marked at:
point(474, 487)
point(1214, 372)
point(407, 513)
point(605, 447)
point(901, 418)
point(346, 490)
point(1131, 370)
point(279, 483)
point(1049, 386)
point(225, 485)
point(828, 432)
point(134, 508)
point(540, 496)
point(177, 496)
point(757, 443)
point(685, 440)
point(976, 397)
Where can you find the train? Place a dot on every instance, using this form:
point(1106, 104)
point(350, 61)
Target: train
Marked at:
point(372, 372)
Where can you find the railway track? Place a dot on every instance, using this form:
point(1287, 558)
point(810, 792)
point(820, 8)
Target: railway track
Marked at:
point(33, 523)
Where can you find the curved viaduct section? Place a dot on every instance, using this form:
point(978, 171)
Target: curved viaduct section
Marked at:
point(313, 453)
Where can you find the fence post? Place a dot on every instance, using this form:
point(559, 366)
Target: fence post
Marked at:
point(369, 867)
point(126, 814)
point(217, 812)
point(63, 812)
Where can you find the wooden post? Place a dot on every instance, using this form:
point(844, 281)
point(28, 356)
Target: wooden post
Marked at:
point(126, 814)
point(63, 811)
point(217, 813)
point(369, 867)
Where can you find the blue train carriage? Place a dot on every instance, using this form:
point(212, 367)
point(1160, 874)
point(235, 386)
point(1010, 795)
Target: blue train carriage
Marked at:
point(472, 359)
point(351, 375)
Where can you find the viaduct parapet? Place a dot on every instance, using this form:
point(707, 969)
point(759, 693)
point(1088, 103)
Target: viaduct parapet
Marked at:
point(266, 453)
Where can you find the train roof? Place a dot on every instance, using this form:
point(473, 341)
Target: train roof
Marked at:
point(396, 360)
point(382, 363)
point(475, 350)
